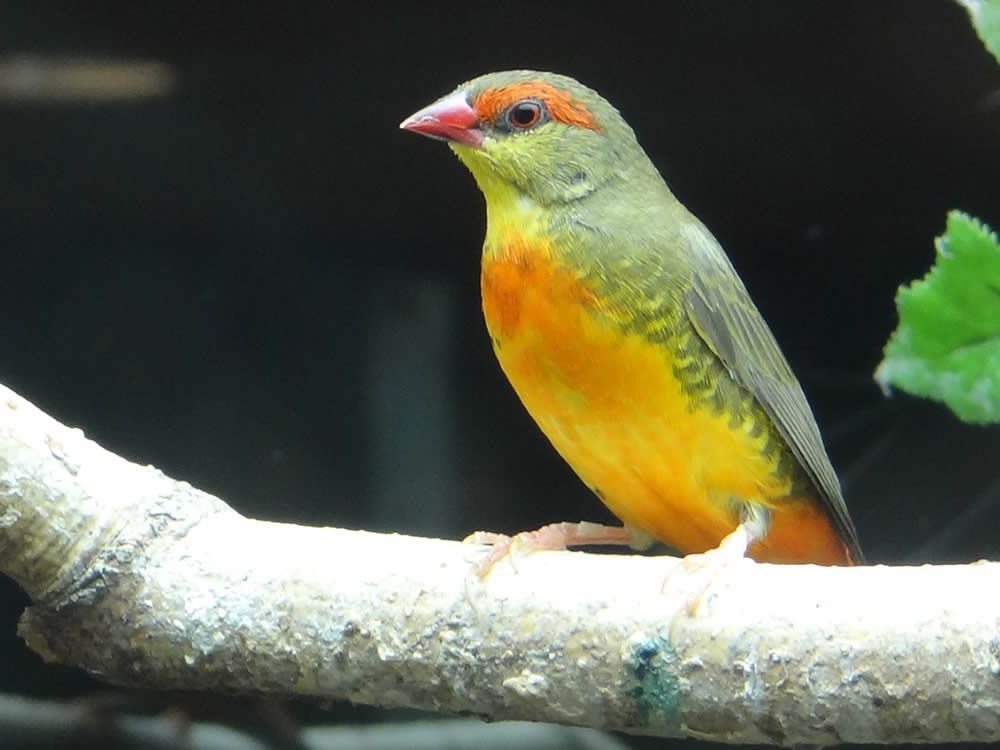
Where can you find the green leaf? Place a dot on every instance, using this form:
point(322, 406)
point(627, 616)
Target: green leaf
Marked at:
point(947, 345)
point(985, 16)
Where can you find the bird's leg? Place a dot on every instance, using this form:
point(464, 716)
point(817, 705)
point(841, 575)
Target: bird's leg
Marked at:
point(554, 536)
point(695, 573)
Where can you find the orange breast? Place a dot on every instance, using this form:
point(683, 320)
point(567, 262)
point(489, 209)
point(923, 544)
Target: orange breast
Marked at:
point(611, 406)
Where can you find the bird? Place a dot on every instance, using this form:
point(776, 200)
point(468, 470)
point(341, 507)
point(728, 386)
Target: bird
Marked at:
point(631, 340)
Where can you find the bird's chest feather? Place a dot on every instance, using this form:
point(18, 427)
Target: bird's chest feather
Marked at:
point(574, 368)
point(540, 316)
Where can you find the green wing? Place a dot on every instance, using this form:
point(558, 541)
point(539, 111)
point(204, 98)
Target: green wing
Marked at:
point(722, 312)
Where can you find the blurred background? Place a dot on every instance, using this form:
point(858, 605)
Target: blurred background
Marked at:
point(222, 257)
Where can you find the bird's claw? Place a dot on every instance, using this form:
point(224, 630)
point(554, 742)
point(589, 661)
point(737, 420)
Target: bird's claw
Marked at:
point(694, 575)
point(502, 545)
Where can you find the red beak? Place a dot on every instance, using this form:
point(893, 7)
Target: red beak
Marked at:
point(447, 119)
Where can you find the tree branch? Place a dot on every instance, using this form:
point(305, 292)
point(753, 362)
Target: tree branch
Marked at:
point(145, 581)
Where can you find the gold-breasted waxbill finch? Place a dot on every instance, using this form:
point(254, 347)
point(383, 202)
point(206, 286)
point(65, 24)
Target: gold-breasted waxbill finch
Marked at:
point(629, 337)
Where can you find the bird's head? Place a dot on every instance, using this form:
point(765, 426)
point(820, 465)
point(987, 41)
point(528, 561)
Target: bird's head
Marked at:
point(551, 138)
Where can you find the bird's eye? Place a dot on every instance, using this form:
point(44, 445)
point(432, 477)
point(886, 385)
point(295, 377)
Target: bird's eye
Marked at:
point(524, 114)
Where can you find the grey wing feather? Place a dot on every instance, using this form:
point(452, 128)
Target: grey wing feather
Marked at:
point(721, 311)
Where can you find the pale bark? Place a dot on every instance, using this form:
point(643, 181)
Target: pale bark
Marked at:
point(146, 581)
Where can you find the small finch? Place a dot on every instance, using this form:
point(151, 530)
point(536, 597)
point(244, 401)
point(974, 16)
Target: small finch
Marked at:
point(629, 337)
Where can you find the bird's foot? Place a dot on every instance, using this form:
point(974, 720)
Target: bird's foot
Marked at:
point(694, 574)
point(554, 536)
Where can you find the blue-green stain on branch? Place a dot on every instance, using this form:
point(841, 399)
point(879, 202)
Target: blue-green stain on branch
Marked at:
point(655, 688)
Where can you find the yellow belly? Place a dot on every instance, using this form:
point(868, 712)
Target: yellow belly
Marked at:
point(612, 407)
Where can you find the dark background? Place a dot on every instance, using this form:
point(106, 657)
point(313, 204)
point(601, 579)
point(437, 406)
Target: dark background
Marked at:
point(257, 283)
